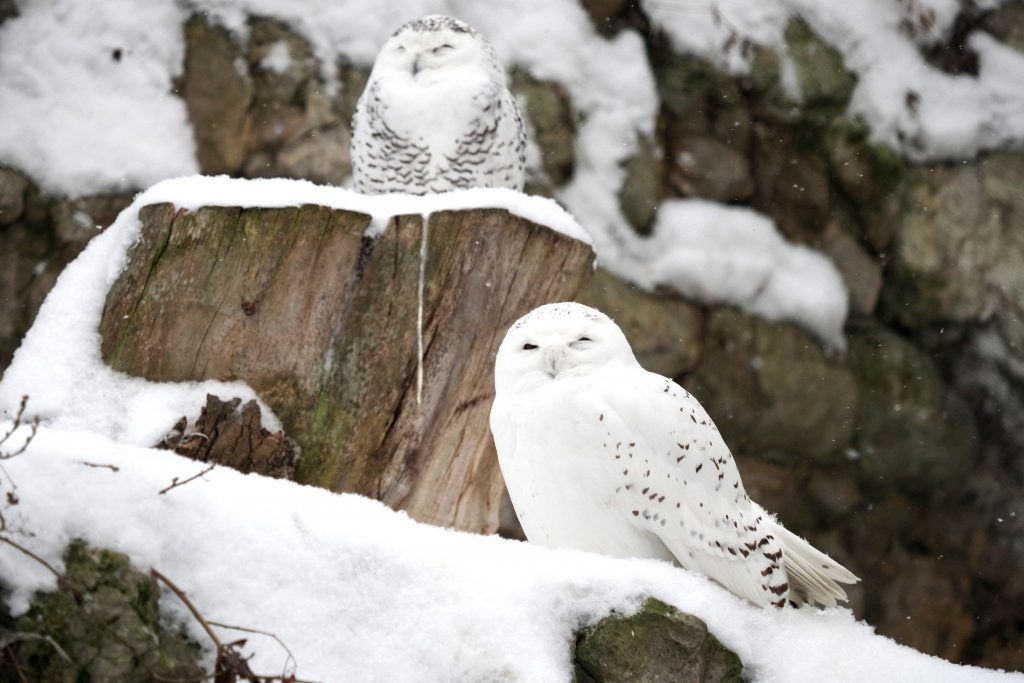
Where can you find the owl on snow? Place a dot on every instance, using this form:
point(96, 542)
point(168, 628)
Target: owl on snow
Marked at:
point(436, 115)
point(601, 455)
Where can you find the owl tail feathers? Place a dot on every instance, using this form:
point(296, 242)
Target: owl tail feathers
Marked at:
point(814, 577)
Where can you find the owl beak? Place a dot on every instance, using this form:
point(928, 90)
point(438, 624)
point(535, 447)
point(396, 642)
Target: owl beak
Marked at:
point(416, 66)
point(552, 359)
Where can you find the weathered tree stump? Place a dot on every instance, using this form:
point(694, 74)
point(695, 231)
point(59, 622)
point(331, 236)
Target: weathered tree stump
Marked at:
point(322, 322)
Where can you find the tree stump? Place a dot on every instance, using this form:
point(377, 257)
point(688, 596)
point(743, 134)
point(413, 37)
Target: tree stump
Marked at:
point(321, 322)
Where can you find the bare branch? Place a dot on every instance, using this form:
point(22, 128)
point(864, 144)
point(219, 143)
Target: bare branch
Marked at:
point(18, 422)
point(188, 603)
point(11, 637)
point(291, 657)
point(61, 581)
point(175, 483)
point(112, 468)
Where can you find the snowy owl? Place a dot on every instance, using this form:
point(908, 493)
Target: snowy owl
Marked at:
point(600, 455)
point(436, 115)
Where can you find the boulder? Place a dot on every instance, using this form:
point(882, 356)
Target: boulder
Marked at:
point(771, 390)
point(658, 644)
point(115, 632)
point(913, 432)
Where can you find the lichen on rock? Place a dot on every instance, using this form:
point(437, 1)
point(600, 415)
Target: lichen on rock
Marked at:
point(117, 633)
point(658, 643)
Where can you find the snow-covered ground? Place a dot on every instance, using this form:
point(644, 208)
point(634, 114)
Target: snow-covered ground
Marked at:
point(361, 593)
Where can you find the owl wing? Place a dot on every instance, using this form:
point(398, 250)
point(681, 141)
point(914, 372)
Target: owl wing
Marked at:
point(491, 152)
point(382, 159)
point(681, 484)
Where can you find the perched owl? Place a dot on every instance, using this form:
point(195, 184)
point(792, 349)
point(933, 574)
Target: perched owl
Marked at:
point(601, 455)
point(436, 115)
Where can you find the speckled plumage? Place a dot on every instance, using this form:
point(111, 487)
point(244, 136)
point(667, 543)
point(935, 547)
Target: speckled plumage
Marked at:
point(436, 115)
point(600, 455)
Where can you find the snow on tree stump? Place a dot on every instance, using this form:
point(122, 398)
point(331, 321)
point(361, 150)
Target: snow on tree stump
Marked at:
point(322, 322)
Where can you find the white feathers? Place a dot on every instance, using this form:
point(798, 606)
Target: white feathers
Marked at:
point(436, 115)
point(600, 455)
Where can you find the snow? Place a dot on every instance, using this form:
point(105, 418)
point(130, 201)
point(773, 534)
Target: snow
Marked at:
point(955, 116)
point(278, 58)
point(361, 593)
point(732, 255)
point(59, 362)
point(80, 121)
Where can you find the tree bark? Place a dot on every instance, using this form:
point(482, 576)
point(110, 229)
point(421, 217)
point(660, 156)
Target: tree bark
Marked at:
point(322, 323)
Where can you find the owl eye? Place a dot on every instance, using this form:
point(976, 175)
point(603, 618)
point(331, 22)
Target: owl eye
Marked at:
point(529, 347)
point(584, 339)
point(441, 48)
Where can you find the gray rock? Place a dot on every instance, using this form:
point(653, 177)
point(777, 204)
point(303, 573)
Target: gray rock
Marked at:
point(771, 390)
point(870, 176)
point(692, 92)
point(269, 40)
point(549, 112)
point(217, 91)
point(820, 72)
point(322, 156)
point(665, 331)
point(945, 272)
point(913, 432)
point(862, 274)
point(12, 195)
point(657, 644)
point(792, 180)
point(643, 189)
point(114, 634)
point(705, 167)
point(79, 220)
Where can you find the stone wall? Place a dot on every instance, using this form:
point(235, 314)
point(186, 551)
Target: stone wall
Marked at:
point(899, 456)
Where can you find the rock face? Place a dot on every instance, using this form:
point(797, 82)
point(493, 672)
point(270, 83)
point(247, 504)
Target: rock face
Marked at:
point(657, 644)
point(903, 450)
point(322, 322)
point(115, 634)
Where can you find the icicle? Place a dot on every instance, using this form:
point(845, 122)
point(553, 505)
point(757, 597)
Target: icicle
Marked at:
point(424, 236)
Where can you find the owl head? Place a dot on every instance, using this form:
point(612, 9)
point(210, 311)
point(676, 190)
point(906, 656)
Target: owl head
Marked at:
point(433, 47)
point(557, 341)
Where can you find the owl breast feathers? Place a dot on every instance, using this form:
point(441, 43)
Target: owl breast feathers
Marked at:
point(600, 455)
point(436, 115)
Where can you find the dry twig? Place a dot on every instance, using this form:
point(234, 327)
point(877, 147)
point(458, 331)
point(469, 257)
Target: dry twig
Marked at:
point(230, 665)
point(10, 637)
point(175, 483)
point(61, 581)
point(18, 422)
point(100, 465)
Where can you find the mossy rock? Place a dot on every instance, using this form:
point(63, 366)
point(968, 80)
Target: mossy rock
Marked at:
point(771, 390)
point(820, 72)
point(643, 188)
point(693, 93)
point(913, 432)
point(115, 634)
point(664, 331)
point(870, 175)
point(658, 643)
point(549, 111)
